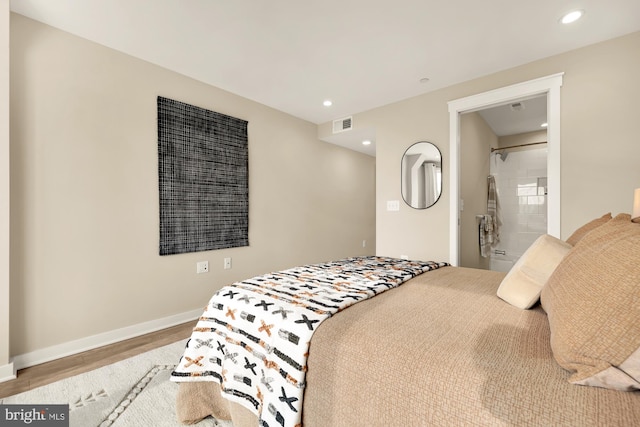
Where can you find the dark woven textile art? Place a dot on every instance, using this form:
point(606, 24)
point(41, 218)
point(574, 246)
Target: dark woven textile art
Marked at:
point(203, 166)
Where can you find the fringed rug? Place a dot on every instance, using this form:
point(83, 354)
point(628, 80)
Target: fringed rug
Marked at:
point(135, 392)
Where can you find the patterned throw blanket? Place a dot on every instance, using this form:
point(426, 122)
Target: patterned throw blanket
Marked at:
point(254, 335)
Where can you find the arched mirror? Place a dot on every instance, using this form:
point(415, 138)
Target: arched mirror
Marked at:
point(421, 175)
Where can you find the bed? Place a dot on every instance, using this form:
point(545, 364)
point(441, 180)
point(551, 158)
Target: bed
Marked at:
point(458, 346)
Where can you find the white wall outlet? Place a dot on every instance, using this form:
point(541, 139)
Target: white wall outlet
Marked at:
point(364, 243)
point(393, 205)
point(227, 263)
point(202, 267)
point(404, 256)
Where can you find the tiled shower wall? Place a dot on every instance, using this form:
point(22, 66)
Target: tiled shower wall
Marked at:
point(521, 181)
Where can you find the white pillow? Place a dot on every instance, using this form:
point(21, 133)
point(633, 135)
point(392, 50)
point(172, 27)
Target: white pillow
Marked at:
point(522, 286)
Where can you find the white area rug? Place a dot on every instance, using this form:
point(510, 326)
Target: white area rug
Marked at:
point(135, 392)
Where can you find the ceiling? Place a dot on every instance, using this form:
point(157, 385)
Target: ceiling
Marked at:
point(517, 117)
point(294, 54)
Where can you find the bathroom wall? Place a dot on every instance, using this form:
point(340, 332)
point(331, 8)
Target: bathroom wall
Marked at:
point(522, 138)
point(476, 140)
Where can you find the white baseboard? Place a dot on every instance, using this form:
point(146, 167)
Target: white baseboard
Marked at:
point(7, 372)
point(83, 344)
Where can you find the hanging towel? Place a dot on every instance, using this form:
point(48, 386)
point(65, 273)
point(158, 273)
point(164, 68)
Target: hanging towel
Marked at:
point(493, 210)
point(485, 234)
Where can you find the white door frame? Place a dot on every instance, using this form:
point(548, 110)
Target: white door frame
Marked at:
point(550, 86)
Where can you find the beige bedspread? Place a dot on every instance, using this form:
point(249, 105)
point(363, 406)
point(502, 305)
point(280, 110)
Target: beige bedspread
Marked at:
point(439, 350)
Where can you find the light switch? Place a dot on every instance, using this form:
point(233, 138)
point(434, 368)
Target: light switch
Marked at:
point(393, 205)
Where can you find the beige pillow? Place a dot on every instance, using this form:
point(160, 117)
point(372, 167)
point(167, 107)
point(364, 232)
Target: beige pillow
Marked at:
point(593, 304)
point(521, 287)
point(591, 225)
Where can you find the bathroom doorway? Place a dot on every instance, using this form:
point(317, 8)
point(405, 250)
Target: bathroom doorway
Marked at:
point(503, 182)
point(548, 86)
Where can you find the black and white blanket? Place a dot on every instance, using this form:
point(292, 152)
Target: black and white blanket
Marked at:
point(253, 337)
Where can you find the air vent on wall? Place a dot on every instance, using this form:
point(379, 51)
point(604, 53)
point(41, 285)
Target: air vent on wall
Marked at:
point(342, 125)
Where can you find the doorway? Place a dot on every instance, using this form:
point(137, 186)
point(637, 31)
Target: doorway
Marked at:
point(504, 149)
point(549, 86)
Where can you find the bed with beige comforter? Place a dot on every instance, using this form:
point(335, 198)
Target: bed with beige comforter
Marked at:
point(441, 349)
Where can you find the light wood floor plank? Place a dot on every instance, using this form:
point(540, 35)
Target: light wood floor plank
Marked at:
point(46, 373)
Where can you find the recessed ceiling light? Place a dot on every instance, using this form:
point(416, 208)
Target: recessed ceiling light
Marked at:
point(572, 16)
point(327, 103)
point(366, 142)
point(544, 125)
point(424, 80)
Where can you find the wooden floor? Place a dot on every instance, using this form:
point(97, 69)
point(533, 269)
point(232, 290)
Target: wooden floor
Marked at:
point(55, 370)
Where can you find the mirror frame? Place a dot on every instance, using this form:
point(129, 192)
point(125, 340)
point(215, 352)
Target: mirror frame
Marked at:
point(402, 175)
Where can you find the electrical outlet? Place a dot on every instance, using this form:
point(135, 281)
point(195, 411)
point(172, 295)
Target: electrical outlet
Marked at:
point(227, 263)
point(364, 243)
point(202, 267)
point(404, 257)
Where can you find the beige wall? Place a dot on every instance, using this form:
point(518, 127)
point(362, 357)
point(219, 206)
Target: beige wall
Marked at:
point(6, 370)
point(84, 201)
point(476, 140)
point(600, 144)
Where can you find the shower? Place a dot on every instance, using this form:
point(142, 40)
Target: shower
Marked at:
point(521, 185)
point(503, 153)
